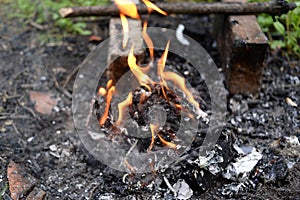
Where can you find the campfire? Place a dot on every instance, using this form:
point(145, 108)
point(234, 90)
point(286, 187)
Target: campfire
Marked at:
point(156, 105)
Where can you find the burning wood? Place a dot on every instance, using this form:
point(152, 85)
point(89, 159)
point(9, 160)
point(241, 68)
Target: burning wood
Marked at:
point(277, 7)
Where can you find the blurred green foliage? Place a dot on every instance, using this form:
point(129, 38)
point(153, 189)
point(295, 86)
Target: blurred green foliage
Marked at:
point(46, 11)
point(283, 31)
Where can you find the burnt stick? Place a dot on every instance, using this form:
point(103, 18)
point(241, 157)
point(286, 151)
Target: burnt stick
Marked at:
point(277, 7)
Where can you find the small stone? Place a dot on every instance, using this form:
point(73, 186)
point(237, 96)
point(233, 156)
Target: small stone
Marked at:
point(53, 147)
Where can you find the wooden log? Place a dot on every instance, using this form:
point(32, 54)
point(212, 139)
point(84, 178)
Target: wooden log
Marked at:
point(242, 46)
point(277, 7)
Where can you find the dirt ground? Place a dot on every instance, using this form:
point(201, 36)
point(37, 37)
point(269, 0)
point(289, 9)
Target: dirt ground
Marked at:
point(44, 144)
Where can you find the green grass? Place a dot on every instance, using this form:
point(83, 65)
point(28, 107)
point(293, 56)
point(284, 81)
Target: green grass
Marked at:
point(46, 12)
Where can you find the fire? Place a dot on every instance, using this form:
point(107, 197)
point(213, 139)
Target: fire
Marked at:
point(151, 6)
point(166, 143)
point(148, 40)
point(128, 9)
point(125, 26)
point(122, 106)
point(109, 84)
point(180, 82)
point(153, 129)
point(161, 67)
point(102, 91)
point(143, 78)
point(108, 100)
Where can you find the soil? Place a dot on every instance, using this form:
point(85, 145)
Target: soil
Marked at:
point(47, 147)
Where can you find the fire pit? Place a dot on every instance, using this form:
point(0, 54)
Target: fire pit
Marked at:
point(152, 112)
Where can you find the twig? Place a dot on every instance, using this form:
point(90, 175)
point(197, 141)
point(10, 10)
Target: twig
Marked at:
point(277, 7)
point(37, 26)
point(61, 89)
point(169, 185)
point(16, 129)
point(71, 75)
point(28, 109)
point(93, 190)
point(15, 117)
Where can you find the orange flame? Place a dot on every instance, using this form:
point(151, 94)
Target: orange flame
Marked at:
point(166, 143)
point(153, 129)
point(125, 27)
point(143, 78)
point(151, 6)
point(180, 82)
point(148, 40)
point(108, 100)
point(128, 8)
point(109, 84)
point(142, 100)
point(143, 97)
point(161, 67)
point(122, 106)
point(102, 91)
point(163, 141)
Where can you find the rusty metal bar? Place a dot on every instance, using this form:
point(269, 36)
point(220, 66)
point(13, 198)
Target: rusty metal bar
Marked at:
point(277, 7)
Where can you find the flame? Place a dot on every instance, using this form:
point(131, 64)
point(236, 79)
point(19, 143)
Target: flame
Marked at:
point(142, 100)
point(108, 100)
point(180, 82)
point(122, 106)
point(162, 61)
point(166, 143)
point(143, 78)
point(143, 97)
point(153, 129)
point(148, 40)
point(109, 84)
point(151, 6)
point(102, 91)
point(128, 8)
point(163, 141)
point(125, 27)
point(161, 67)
